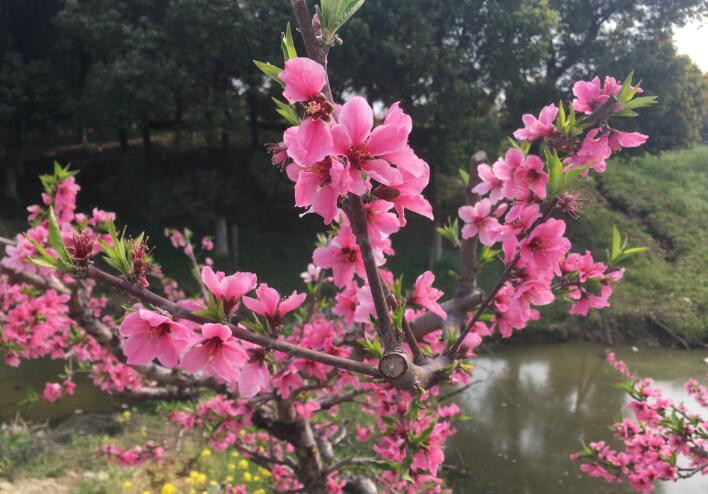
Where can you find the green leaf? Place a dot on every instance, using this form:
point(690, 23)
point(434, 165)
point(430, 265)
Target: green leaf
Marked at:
point(635, 250)
point(333, 14)
point(556, 178)
point(373, 347)
point(43, 263)
point(641, 102)
point(270, 70)
point(287, 112)
point(625, 89)
point(487, 254)
point(45, 255)
point(465, 176)
point(287, 44)
point(616, 243)
point(57, 243)
point(450, 231)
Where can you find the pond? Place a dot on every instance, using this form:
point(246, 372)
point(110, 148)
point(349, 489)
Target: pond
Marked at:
point(532, 406)
point(17, 382)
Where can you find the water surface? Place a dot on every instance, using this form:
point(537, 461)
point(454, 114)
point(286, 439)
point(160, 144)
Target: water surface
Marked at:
point(534, 404)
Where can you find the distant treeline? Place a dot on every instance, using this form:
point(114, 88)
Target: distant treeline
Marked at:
point(133, 71)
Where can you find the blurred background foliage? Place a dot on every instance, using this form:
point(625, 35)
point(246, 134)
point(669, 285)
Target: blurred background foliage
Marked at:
point(159, 106)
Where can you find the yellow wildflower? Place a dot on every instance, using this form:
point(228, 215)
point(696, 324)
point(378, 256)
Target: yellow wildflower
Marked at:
point(201, 478)
point(231, 467)
point(168, 489)
point(243, 465)
point(247, 476)
point(206, 453)
point(127, 484)
point(229, 479)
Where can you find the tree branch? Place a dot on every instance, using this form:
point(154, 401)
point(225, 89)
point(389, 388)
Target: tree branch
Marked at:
point(267, 342)
point(452, 351)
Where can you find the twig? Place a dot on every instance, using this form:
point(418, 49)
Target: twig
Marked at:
point(350, 461)
point(331, 401)
point(175, 310)
point(452, 351)
point(356, 213)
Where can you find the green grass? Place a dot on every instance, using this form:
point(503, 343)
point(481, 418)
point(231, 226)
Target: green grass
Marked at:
point(30, 452)
point(660, 202)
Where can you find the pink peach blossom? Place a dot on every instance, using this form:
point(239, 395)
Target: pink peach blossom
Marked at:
point(269, 305)
point(478, 220)
point(216, 353)
point(538, 127)
point(426, 296)
point(149, 334)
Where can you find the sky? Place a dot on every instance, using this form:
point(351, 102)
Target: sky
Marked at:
point(692, 40)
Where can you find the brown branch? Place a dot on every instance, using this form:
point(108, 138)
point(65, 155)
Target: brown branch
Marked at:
point(36, 280)
point(602, 112)
point(351, 461)
point(452, 351)
point(334, 400)
point(354, 208)
point(195, 265)
point(418, 357)
point(265, 461)
point(112, 343)
point(168, 393)
point(267, 342)
point(429, 321)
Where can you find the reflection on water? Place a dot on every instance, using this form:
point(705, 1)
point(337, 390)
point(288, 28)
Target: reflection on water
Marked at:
point(16, 382)
point(534, 404)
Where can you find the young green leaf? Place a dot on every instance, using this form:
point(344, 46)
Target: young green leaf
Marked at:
point(287, 44)
point(287, 112)
point(270, 70)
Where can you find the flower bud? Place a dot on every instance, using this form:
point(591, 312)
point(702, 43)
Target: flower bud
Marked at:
point(569, 204)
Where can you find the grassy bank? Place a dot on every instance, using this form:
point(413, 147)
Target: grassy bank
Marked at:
point(660, 202)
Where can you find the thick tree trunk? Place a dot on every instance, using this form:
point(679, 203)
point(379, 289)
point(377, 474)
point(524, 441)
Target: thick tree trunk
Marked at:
point(435, 252)
point(11, 195)
point(145, 133)
point(123, 139)
point(178, 125)
point(234, 245)
point(299, 433)
point(253, 119)
point(13, 166)
point(221, 237)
